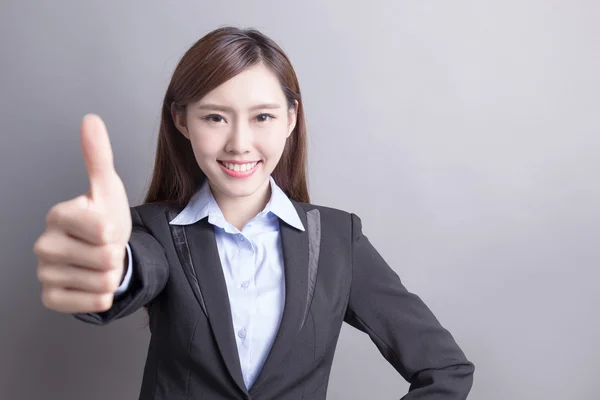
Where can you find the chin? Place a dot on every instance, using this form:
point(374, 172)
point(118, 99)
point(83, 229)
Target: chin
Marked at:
point(235, 188)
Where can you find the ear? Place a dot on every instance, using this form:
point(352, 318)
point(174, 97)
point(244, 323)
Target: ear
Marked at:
point(178, 114)
point(292, 118)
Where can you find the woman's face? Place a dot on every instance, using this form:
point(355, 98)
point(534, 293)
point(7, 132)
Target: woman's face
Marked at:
point(238, 131)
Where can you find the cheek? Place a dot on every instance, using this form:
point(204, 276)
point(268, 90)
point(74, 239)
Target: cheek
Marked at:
point(272, 144)
point(205, 144)
point(272, 147)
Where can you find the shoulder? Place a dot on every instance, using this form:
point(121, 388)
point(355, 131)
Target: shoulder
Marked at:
point(324, 210)
point(330, 217)
point(150, 213)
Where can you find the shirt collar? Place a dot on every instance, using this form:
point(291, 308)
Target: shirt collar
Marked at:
point(203, 204)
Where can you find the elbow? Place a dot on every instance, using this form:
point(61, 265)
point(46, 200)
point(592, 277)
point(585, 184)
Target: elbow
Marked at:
point(454, 380)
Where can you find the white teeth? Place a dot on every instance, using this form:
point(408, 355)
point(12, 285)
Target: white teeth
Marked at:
point(240, 167)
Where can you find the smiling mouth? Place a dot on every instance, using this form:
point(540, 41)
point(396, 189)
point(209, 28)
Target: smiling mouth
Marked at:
point(239, 167)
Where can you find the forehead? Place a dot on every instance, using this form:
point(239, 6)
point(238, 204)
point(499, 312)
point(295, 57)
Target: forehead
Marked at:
point(255, 85)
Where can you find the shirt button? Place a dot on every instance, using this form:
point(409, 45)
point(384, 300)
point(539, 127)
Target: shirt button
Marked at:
point(245, 284)
point(241, 238)
point(242, 333)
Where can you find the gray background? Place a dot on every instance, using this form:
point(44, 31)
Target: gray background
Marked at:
point(465, 134)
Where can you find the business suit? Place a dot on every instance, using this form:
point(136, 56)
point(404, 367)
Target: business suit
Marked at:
point(332, 274)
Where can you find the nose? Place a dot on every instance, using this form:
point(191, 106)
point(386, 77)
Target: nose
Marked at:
point(240, 138)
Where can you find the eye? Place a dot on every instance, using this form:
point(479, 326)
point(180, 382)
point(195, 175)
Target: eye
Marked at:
point(216, 118)
point(264, 117)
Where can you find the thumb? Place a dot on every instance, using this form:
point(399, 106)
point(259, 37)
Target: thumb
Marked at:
point(98, 156)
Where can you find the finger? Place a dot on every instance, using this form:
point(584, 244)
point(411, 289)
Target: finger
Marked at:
point(80, 279)
point(98, 156)
point(75, 218)
point(54, 247)
point(75, 301)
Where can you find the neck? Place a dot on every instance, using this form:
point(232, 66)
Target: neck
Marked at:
point(239, 210)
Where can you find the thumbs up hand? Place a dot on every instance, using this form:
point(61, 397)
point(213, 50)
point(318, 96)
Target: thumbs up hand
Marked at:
point(81, 254)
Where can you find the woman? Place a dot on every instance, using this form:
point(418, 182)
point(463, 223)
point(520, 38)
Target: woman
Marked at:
point(246, 283)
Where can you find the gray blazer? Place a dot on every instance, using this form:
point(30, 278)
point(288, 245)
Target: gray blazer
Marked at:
point(332, 275)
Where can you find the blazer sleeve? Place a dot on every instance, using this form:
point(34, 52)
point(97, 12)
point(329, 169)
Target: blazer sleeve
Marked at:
point(403, 328)
point(149, 274)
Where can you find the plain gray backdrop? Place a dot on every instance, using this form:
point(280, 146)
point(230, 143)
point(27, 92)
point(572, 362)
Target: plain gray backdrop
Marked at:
point(465, 134)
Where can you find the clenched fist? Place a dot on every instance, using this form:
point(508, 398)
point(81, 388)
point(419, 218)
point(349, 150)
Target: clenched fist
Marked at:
point(82, 254)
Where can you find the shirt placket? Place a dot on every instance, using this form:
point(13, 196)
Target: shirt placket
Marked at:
point(245, 286)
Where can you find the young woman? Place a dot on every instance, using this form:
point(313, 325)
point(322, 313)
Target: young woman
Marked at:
point(245, 282)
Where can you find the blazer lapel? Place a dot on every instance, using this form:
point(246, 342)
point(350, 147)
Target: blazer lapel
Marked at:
point(205, 264)
point(185, 258)
point(300, 254)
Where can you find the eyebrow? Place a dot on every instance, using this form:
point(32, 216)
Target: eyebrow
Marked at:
point(217, 107)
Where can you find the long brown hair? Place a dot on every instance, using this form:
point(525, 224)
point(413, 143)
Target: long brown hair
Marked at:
point(215, 58)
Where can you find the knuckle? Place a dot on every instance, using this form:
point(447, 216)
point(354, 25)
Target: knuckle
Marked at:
point(114, 257)
point(56, 215)
point(109, 281)
point(103, 302)
point(38, 246)
point(50, 297)
point(49, 249)
point(43, 274)
point(107, 258)
point(102, 230)
point(46, 248)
